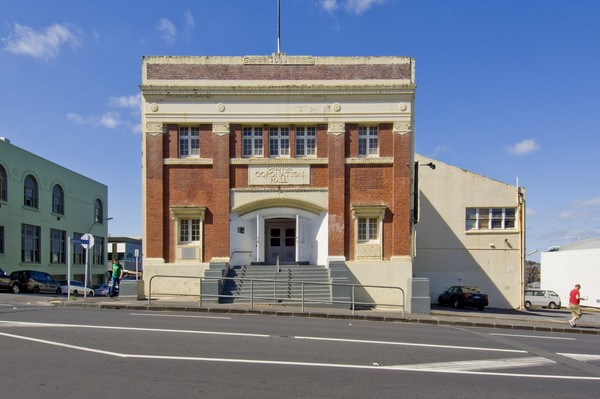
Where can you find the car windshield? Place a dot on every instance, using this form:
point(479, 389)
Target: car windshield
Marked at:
point(471, 290)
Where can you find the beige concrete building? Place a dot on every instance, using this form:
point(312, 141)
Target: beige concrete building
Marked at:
point(471, 231)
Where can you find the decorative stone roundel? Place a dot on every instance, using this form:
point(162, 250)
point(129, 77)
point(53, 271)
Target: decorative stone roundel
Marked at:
point(154, 107)
point(337, 107)
point(221, 107)
point(403, 107)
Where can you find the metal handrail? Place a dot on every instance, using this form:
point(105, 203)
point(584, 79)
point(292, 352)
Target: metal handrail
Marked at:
point(302, 300)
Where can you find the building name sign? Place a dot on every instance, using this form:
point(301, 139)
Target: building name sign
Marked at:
point(263, 175)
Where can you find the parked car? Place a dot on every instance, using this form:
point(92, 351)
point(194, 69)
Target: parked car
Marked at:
point(4, 280)
point(459, 296)
point(76, 288)
point(100, 289)
point(543, 298)
point(33, 281)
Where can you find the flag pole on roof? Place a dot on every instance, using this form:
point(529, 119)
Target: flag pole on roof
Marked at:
point(278, 26)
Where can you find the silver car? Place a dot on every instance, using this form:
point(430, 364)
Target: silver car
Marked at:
point(543, 298)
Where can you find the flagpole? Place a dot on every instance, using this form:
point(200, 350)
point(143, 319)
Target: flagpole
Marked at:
point(278, 26)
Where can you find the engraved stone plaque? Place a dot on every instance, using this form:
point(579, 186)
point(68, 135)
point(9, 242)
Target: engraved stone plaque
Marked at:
point(278, 175)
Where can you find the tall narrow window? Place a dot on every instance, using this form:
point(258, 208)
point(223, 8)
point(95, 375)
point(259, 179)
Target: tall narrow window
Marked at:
point(98, 251)
point(78, 251)
point(98, 212)
point(58, 200)
point(3, 184)
point(368, 229)
point(279, 141)
point(189, 142)
point(30, 243)
point(306, 141)
point(1, 239)
point(368, 141)
point(252, 142)
point(58, 246)
point(30, 197)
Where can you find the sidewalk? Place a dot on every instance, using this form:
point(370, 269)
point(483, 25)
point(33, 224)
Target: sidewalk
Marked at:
point(542, 320)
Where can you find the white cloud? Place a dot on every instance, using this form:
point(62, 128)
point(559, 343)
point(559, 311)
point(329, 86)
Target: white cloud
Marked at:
point(128, 102)
point(591, 202)
point(329, 5)
point(565, 215)
point(189, 21)
point(168, 29)
point(75, 118)
point(440, 150)
point(45, 44)
point(109, 120)
point(352, 6)
point(524, 147)
point(360, 6)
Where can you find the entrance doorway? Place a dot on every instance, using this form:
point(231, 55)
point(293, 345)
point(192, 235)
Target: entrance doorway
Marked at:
point(281, 240)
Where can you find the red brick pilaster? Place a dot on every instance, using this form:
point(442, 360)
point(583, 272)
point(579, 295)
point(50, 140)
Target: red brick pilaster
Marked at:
point(403, 165)
point(220, 186)
point(337, 187)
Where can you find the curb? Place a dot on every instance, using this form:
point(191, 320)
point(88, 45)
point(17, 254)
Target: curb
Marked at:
point(322, 315)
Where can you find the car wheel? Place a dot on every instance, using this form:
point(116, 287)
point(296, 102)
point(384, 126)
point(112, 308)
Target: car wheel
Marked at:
point(552, 305)
point(36, 290)
point(74, 292)
point(480, 308)
point(91, 293)
point(456, 304)
point(527, 305)
point(58, 291)
point(16, 288)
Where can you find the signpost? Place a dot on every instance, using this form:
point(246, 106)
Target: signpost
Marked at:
point(137, 255)
point(87, 242)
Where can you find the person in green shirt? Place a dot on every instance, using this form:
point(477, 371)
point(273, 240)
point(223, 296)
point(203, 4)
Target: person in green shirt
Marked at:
point(117, 274)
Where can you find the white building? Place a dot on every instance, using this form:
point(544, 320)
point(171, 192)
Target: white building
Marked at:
point(577, 263)
point(471, 231)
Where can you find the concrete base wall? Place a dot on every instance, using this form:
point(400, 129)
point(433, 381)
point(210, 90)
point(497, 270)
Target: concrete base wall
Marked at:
point(174, 279)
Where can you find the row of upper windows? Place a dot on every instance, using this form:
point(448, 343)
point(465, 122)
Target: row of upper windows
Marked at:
point(279, 141)
point(31, 196)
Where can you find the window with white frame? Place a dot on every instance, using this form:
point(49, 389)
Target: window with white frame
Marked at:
point(490, 219)
point(189, 141)
point(188, 225)
point(98, 251)
point(58, 246)
point(368, 141)
point(306, 141)
point(279, 141)
point(30, 243)
point(252, 142)
point(368, 224)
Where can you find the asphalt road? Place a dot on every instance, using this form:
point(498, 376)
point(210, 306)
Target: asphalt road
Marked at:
point(54, 352)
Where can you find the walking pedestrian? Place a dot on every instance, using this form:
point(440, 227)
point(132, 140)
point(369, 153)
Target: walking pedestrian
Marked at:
point(574, 306)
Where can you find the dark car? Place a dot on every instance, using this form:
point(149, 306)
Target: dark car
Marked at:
point(459, 296)
point(33, 281)
point(4, 280)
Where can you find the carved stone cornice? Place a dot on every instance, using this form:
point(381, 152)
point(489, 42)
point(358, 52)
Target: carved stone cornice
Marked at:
point(402, 128)
point(154, 129)
point(279, 59)
point(278, 161)
point(187, 161)
point(369, 160)
point(336, 129)
point(220, 129)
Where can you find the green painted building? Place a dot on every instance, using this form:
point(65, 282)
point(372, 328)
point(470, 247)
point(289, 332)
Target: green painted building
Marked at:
point(43, 206)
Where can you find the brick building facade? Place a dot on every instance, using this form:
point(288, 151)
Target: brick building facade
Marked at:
point(282, 159)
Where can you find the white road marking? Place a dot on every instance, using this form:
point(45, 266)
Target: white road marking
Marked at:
point(491, 364)
point(533, 336)
point(581, 356)
point(474, 348)
point(58, 325)
point(177, 315)
point(305, 364)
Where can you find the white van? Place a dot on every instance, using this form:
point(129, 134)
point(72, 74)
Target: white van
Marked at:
point(543, 298)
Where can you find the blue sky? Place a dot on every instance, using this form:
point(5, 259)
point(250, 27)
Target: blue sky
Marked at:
point(507, 89)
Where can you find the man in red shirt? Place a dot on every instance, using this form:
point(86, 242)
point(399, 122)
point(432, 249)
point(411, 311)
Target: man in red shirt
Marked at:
point(574, 299)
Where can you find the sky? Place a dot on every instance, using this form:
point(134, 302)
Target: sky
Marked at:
point(508, 89)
